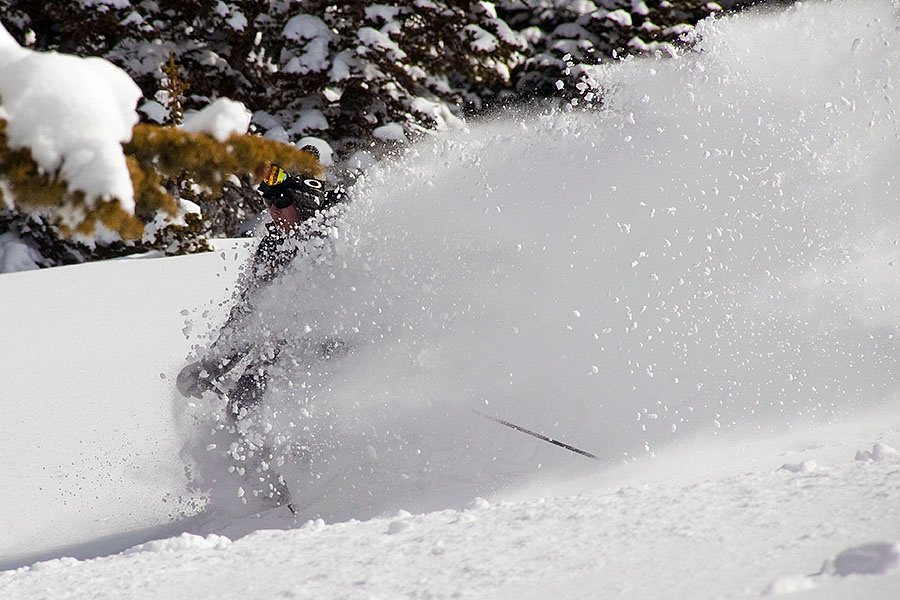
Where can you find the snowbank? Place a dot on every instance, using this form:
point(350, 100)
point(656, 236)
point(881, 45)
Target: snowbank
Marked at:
point(91, 433)
point(745, 532)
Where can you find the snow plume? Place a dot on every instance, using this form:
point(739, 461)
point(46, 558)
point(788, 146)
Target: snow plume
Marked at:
point(696, 258)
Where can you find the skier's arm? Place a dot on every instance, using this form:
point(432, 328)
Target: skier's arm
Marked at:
point(225, 352)
point(219, 359)
point(229, 347)
point(233, 342)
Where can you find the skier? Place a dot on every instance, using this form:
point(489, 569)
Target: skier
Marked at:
point(296, 205)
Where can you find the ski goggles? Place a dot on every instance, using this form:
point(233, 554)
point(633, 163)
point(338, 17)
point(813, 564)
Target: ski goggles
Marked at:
point(275, 175)
point(282, 201)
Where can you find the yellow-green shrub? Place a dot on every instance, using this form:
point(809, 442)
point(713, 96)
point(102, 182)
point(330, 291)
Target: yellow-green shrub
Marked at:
point(155, 156)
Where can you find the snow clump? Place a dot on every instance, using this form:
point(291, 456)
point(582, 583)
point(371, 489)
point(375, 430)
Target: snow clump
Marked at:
point(879, 452)
point(867, 559)
point(326, 153)
point(186, 541)
point(390, 132)
point(807, 466)
point(220, 119)
point(17, 254)
point(73, 114)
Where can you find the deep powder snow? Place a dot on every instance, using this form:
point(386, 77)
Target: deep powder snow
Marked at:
point(670, 282)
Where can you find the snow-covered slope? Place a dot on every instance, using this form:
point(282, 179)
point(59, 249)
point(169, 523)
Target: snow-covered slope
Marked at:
point(731, 534)
point(89, 438)
point(696, 283)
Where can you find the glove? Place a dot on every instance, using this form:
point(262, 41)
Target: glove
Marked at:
point(193, 380)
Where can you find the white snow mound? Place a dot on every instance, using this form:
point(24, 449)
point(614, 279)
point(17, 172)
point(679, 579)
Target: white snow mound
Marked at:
point(73, 114)
point(220, 119)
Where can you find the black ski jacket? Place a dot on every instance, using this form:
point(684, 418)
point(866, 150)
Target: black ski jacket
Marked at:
point(274, 254)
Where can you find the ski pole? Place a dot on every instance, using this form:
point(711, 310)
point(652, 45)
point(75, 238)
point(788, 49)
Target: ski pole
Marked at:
point(539, 436)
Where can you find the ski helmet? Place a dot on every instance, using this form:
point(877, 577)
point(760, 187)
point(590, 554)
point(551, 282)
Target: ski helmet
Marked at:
point(282, 190)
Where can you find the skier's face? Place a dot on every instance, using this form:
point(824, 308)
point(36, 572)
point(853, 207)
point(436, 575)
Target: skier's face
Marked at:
point(286, 217)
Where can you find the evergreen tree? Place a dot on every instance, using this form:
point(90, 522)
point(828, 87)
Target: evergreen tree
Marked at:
point(340, 71)
point(357, 73)
point(387, 69)
point(362, 75)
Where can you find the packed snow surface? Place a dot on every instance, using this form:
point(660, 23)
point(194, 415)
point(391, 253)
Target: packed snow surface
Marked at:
point(696, 283)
